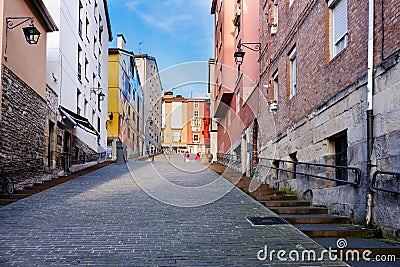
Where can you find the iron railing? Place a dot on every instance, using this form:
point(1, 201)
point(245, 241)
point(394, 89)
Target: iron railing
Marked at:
point(374, 186)
point(307, 166)
point(83, 158)
point(230, 160)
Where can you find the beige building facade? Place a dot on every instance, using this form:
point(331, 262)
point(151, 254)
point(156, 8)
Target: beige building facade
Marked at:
point(27, 125)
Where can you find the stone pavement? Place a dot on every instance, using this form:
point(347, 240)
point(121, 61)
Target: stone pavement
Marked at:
point(166, 213)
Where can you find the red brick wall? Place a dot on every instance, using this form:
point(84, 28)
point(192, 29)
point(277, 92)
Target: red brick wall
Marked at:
point(387, 29)
point(306, 25)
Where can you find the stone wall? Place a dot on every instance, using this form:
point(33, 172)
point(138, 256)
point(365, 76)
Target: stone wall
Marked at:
point(22, 128)
point(308, 139)
point(386, 153)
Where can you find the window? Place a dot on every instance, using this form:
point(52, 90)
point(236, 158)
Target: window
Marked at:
point(196, 114)
point(85, 109)
point(87, 29)
point(80, 19)
point(196, 138)
point(86, 69)
point(93, 116)
point(94, 46)
point(275, 12)
point(196, 104)
point(177, 136)
point(292, 73)
point(339, 144)
point(79, 63)
point(98, 98)
point(275, 92)
point(338, 20)
point(78, 102)
point(98, 125)
point(99, 65)
point(100, 28)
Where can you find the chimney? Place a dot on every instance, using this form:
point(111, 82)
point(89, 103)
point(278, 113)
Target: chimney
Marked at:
point(121, 42)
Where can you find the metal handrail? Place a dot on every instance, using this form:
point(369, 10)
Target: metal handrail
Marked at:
point(374, 178)
point(229, 160)
point(357, 171)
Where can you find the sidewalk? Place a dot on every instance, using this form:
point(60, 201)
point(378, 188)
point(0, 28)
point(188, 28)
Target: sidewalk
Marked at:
point(112, 218)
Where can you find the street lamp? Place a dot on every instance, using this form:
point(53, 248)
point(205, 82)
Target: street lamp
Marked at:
point(31, 33)
point(98, 90)
point(239, 54)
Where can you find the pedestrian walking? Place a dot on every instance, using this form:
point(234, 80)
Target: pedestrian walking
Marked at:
point(197, 158)
point(187, 156)
point(210, 157)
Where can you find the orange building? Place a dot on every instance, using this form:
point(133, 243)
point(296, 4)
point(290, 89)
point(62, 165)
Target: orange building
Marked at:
point(185, 124)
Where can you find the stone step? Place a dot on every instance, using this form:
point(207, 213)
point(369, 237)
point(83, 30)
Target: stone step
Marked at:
point(315, 219)
point(299, 210)
point(337, 230)
point(275, 197)
point(262, 191)
point(286, 203)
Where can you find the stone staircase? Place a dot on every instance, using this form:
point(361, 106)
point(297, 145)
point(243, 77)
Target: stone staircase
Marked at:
point(6, 199)
point(314, 221)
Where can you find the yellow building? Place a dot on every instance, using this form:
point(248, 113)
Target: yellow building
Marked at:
point(125, 105)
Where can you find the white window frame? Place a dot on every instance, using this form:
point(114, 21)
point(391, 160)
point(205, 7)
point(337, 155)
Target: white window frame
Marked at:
point(275, 12)
point(177, 137)
point(195, 114)
point(339, 26)
point(293, 72)
point(275, 79)
point(196, 104)
point(198, 138)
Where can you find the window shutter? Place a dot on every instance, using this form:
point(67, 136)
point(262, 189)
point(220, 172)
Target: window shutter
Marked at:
point(339, 20)
point(287, 78)
point(272, 91)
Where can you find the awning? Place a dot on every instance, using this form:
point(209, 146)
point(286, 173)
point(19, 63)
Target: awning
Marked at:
point(77, 120)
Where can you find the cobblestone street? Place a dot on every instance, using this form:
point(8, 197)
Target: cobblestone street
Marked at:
point(111, 217)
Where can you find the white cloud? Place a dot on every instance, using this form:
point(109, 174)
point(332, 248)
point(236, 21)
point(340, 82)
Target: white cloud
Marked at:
point(166, 14)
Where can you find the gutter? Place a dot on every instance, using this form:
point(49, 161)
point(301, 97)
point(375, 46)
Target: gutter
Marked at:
point(370, 115)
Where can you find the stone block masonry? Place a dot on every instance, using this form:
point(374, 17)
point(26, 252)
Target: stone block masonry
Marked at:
point(23, 123)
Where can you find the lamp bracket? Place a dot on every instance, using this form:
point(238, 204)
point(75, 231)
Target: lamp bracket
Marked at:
point(256, 46)
point(96, 89)
point(11, 25)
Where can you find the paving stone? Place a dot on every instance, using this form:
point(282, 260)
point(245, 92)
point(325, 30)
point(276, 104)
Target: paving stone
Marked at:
point(119, 216)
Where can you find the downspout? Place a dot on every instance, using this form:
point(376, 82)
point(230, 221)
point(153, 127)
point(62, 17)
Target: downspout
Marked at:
point(370, 115)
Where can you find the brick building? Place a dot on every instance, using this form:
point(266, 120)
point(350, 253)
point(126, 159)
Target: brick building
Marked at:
point(235, 96)
point(185, 124)
point(332, 98)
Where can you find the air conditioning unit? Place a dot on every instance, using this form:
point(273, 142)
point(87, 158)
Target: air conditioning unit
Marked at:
point(274, 29)
point(273, 106)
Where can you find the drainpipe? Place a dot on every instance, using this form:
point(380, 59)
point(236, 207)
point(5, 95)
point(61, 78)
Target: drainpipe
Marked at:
point(370, 116)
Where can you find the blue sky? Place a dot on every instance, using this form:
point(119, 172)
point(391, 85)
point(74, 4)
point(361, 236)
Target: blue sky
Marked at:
point(176, 32)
